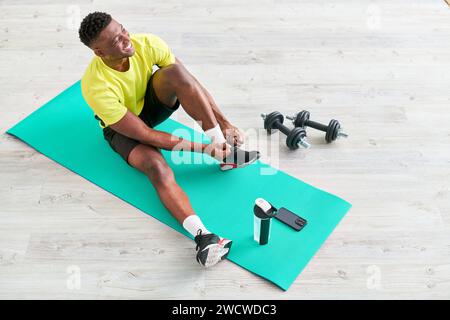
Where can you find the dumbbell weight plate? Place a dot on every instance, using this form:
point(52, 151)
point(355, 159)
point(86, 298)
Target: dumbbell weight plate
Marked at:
point(332, 131)
point(301, 118)
point(271, 119)
point(294, 138)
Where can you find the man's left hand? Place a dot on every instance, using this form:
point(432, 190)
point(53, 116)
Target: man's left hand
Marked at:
point(233, 135)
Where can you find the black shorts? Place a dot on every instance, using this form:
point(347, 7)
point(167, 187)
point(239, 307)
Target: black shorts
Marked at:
point(153, 113)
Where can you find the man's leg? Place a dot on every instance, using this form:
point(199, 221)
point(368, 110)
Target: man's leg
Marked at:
point(150, 161)
point(211, 249)
point(174, 82)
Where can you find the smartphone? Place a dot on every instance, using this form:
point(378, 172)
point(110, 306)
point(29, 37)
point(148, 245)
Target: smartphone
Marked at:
point(291, 219)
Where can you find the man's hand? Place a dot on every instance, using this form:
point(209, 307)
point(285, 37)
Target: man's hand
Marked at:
point(233, 135)
point(218, 150)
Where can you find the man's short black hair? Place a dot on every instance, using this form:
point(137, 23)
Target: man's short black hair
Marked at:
point(92, 25)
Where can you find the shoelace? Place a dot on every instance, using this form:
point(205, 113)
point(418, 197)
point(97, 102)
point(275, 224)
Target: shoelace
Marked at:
point(203, 238)
point(199, 233)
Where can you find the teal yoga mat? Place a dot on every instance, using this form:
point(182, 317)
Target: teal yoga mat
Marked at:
point(64, 129)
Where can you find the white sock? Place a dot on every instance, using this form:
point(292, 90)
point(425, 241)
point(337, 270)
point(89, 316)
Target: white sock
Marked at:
point(193, 223)
point(216, 134)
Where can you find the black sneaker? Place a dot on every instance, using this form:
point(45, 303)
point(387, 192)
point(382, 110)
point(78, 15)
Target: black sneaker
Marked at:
point(211, 249)
point(239, 158)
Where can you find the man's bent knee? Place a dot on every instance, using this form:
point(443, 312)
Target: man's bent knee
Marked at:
point(178, 77)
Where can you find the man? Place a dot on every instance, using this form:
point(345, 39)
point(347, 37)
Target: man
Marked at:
point(129, 101)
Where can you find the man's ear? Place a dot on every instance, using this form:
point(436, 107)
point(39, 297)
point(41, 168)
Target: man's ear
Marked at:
point(98, 52)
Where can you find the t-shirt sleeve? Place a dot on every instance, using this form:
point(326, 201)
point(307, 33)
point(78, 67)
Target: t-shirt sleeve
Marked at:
point(106, 105)
point(159, 51)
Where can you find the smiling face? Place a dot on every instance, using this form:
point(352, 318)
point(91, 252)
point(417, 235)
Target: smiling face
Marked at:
point(113, 43)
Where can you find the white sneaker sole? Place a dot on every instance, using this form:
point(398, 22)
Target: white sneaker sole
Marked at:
point(216, 253)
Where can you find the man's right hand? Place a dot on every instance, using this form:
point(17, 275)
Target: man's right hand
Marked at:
point(133, 127)
point(218, 150)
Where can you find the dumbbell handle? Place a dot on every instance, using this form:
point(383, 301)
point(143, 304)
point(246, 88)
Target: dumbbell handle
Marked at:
point(278, 125)
point(316, 125)
point(287, 131)
point(312, 124)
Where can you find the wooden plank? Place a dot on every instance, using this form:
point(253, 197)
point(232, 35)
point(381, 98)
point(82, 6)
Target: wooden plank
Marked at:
point(379, 67)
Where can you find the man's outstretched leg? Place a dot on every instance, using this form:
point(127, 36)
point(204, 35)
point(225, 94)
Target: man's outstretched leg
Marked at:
point(175, 82)
point(211, 249)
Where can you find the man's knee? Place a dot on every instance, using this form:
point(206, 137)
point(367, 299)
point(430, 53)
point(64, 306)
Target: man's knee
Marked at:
point(179, 77)
point(150, 161)
point(158, 171)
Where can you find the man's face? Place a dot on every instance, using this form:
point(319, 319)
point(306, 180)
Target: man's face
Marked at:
point(113, 42)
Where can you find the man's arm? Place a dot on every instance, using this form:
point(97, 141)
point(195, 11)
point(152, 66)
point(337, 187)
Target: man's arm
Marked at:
point(133, 127)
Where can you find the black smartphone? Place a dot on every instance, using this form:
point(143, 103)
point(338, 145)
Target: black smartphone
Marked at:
point(291, 219)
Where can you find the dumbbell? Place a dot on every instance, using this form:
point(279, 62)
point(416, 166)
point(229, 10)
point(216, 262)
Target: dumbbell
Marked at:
point(295, 137)
point(332, 131)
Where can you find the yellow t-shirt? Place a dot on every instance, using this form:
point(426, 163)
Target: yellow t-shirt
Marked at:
point(110, 93)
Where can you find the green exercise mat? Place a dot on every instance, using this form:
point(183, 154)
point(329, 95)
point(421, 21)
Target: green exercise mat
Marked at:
point(64, 129)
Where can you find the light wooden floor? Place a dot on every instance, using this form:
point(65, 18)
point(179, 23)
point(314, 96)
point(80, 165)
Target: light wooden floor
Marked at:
point(381, 67)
